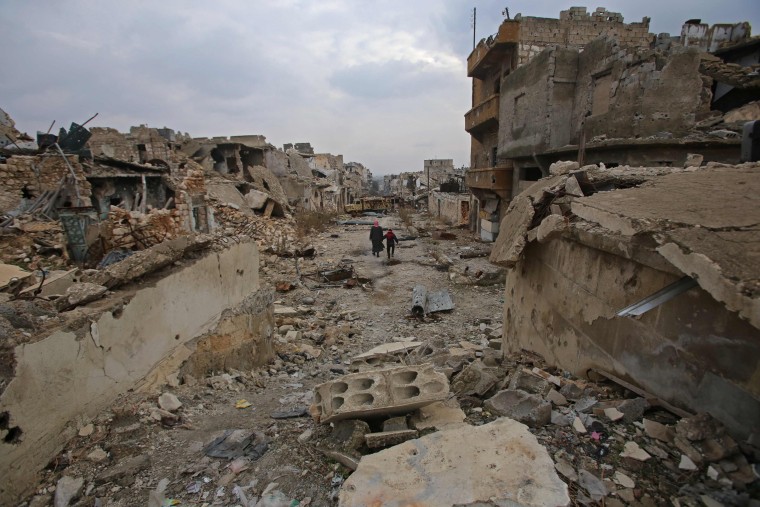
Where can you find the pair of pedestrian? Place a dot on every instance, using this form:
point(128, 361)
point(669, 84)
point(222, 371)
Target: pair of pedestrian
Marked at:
point(376, 236)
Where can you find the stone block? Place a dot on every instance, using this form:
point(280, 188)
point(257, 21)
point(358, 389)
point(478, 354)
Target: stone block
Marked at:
point(395, 424)
point(521, 406)
point(380, 392)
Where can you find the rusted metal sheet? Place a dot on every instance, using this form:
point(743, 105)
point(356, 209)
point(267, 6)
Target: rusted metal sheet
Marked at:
point(424, 302)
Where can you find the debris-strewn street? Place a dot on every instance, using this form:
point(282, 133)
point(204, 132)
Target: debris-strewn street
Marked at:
point(236, 437)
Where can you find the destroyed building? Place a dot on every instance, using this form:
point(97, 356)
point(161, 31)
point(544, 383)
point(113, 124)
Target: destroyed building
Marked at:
point(591, 87)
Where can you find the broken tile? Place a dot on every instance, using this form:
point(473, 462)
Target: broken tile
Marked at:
point(658, 431)
point(578, 426)
point(613, 414)
point(623, 480)
point(565, 468)
point(632, 450)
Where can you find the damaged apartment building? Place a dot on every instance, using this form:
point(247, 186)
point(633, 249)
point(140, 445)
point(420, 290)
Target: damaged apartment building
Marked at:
point(590, 87)
point(611, 173)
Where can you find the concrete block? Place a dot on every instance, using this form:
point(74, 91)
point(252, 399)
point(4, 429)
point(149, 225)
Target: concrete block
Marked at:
point(475, 379)
point(528, 382)
point(488, 225)
point(379, 392)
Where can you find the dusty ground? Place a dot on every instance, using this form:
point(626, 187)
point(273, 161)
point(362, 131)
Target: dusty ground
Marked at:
point(375, 315)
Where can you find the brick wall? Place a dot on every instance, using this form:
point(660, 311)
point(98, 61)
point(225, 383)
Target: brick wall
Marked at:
point(33, 175)
point(576, 28)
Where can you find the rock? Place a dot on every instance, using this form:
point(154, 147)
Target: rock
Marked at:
point(712, 473)
point(561, 419)
point(474, 380)
point(293, 336)
point(693, 160)
point(97, 455)
point(79, 294)
point(530, 383)
point(348, 435)
point(578, 426)
point(633, 409)
point(395, 424)
point(566, 469)
point(686, 447)
point(87, 430)
point(623, 480)
point(686, 463)
point(613, 414)
point(593, 485)
point(130, 467)
point(439, 415)
point(563, 167)
point(523, 407)
point(585, 404)
point(571, 391)
point(556, 398)
point(169, 402)
point(699, 427)
point(717, 449)
point(658, 431)
point(67, 489)
point(305, 436)
point(632, 450)
point(426, 471)
point(308, 301)
point(572, 187)
point(550, 228)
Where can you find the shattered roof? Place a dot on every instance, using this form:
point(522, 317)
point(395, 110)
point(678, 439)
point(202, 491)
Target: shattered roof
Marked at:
point(703, 221)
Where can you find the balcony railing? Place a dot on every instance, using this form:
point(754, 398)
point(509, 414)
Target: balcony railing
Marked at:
point(490, 52)
point(485, 114)
point(497, 179)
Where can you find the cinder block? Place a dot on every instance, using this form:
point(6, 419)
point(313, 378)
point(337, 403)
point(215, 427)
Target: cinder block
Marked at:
point(381, 392)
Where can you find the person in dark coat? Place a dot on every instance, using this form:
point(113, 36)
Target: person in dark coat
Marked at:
point(390, 242)
point(376, 236)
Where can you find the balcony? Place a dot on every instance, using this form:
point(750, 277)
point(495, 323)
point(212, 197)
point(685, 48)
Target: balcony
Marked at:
point(489, 54)
point(484, 115)
point(497, 179)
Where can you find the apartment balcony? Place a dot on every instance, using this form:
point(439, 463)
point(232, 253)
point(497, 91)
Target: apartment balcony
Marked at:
point(490, 53)
point(496, 179)
point(484, 115)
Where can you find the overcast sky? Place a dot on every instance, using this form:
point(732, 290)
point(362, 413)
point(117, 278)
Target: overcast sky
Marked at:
point(383, 83)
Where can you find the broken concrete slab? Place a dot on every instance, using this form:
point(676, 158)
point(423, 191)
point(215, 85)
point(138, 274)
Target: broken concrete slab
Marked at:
point(572, 187)
point(658, 431)
point(551, 227)
point(348, 435)
point(633, 410)
point(10, 273)
point(169, 402)
point(632, 450)
point(516, 470)
point(563, 167)
point(527, 381)
point(556, 398)
point(390, 391)
point(80, 294)
point(514, 228)
point(438, 415)
point(522, 406)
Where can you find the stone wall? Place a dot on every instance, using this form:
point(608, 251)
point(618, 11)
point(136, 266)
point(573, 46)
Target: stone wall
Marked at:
point(76, 372)
point(576, 28)
point(561, 302)
point(27, 177)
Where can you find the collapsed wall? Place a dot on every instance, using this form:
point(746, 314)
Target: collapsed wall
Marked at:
point(205, 310)
point(579, 257)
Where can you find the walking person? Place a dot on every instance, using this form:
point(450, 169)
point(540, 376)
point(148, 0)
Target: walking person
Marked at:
point(390, 242)
point(376, 236)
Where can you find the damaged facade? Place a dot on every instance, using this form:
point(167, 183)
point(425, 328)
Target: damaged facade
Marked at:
point(593, 88)
point(610, 272)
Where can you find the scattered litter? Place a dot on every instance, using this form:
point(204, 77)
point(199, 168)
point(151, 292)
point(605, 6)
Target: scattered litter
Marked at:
point(242, 404)
point(237, 443)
